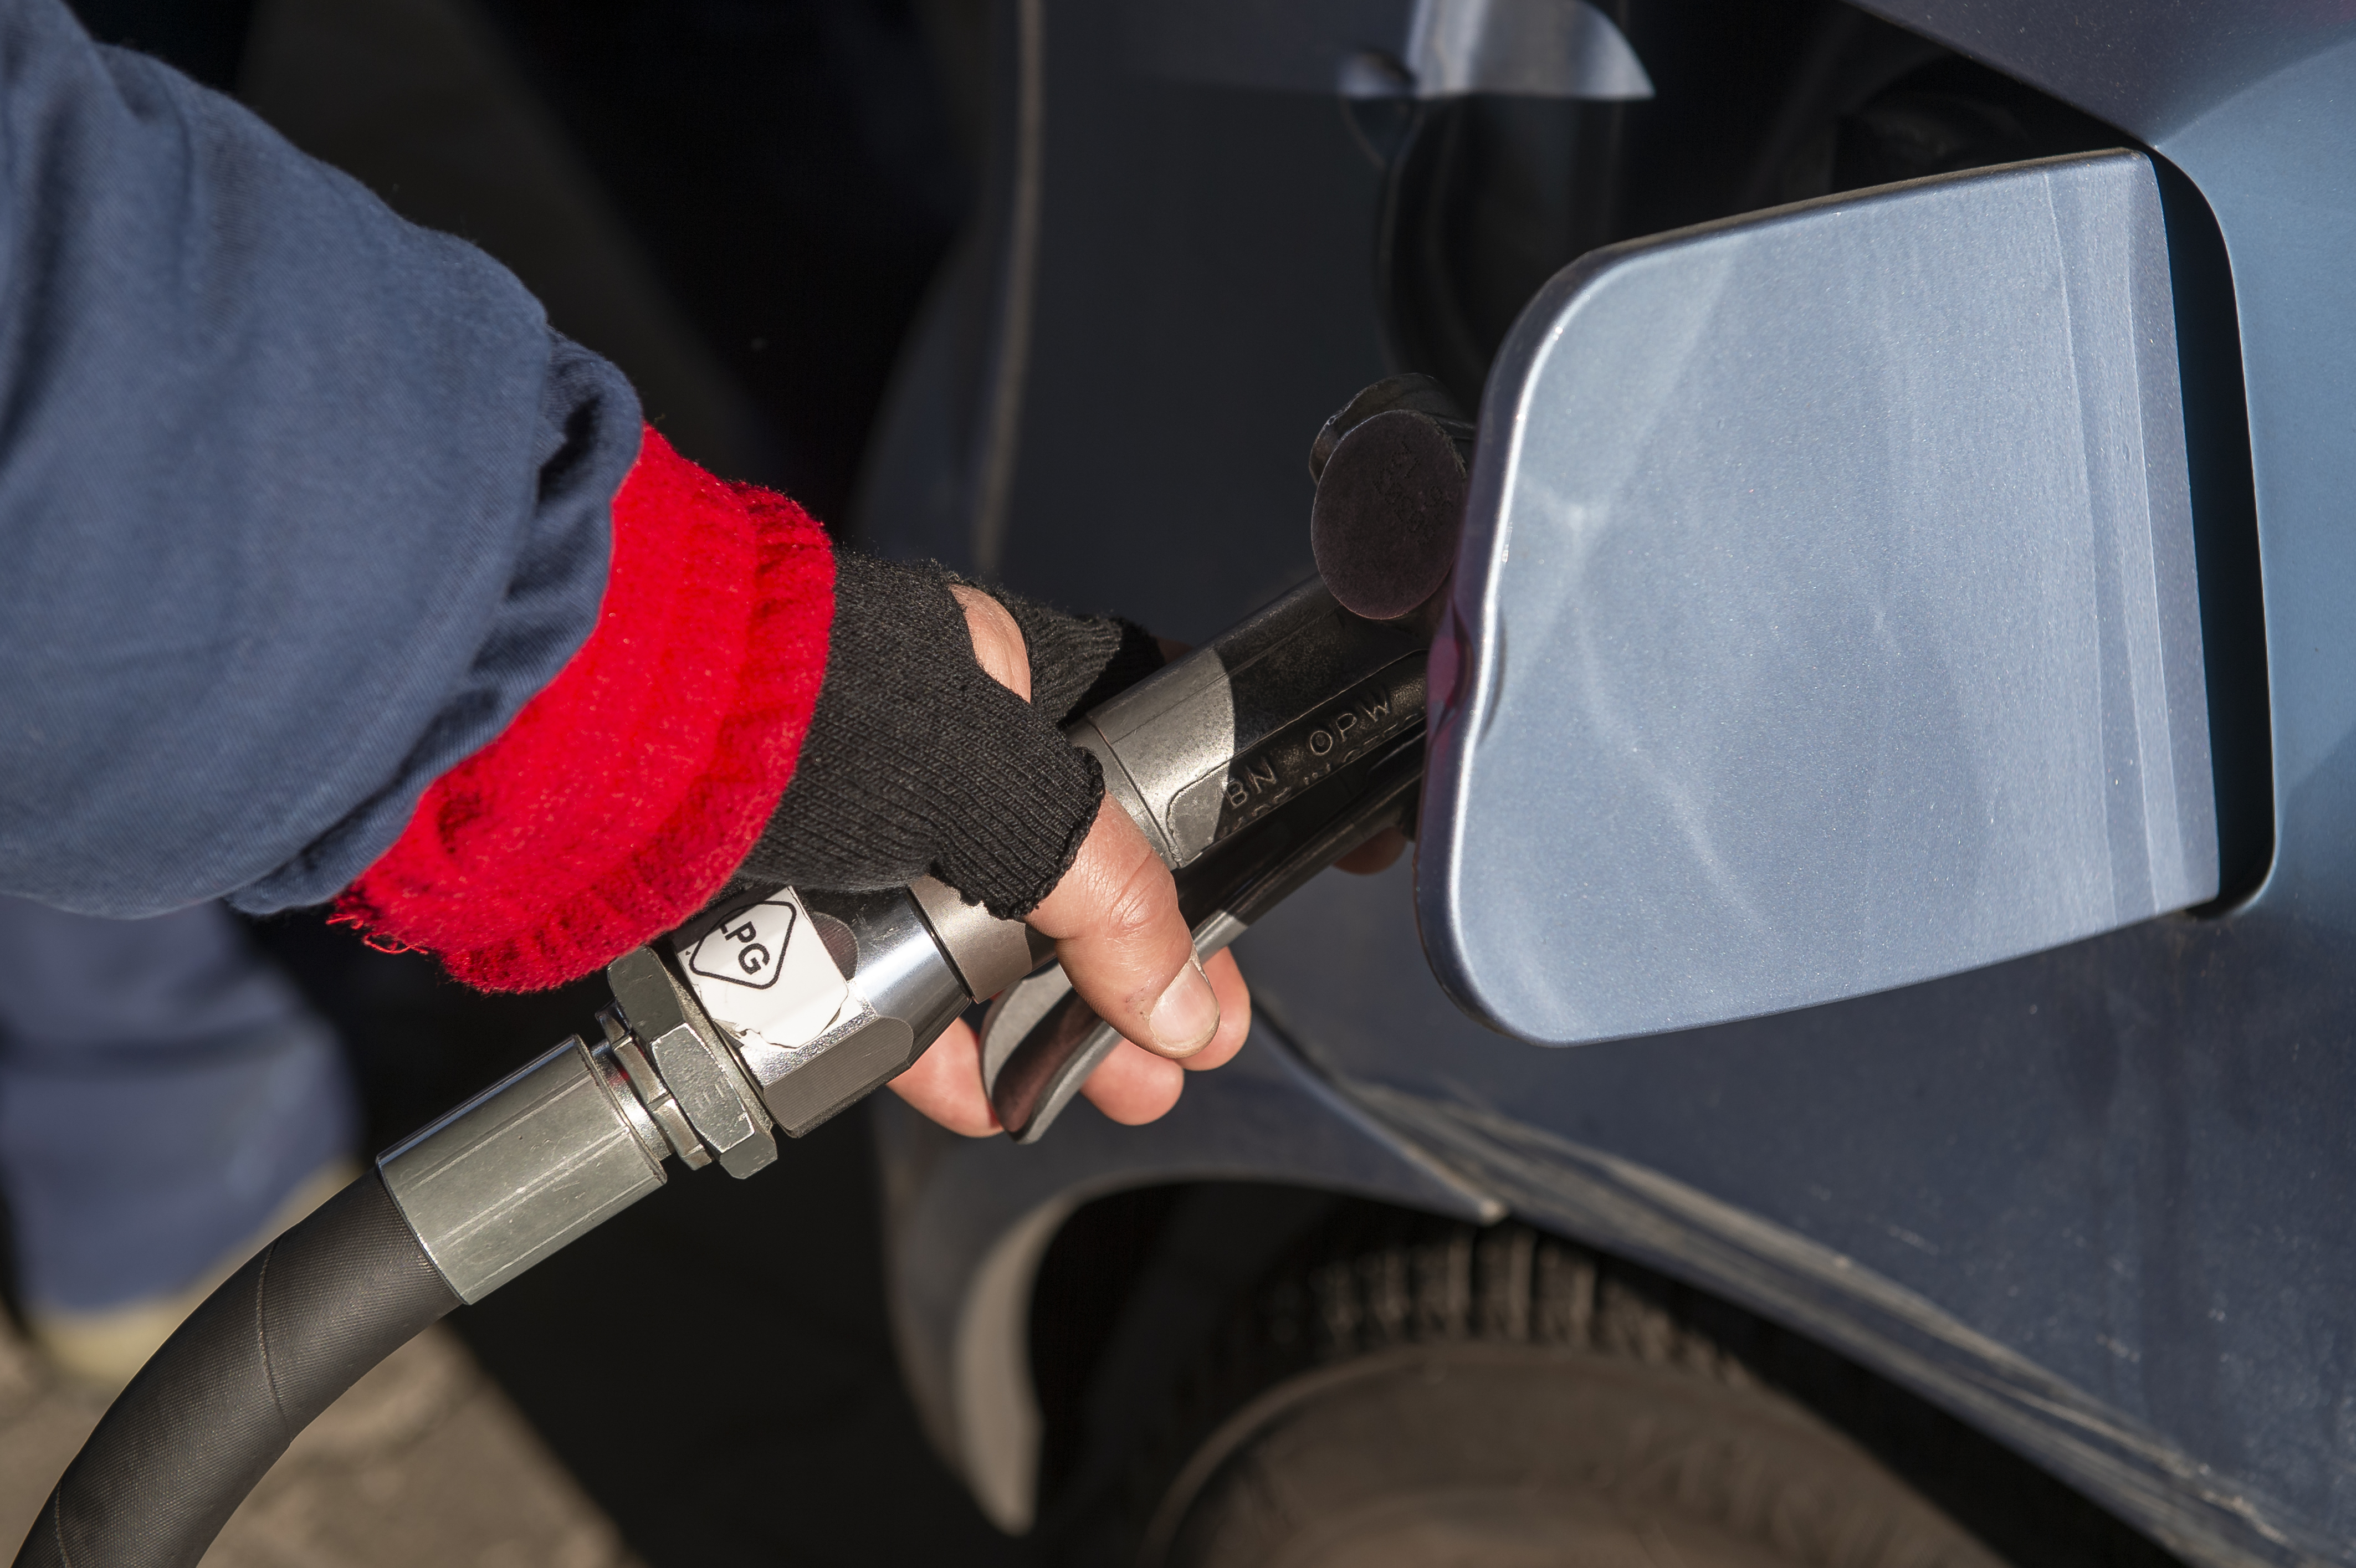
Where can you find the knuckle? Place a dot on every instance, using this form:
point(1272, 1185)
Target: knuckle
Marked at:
point(1143, 902)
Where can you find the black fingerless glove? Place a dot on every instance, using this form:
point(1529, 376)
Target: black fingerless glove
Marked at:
point(917, 761)
point(1078, 661)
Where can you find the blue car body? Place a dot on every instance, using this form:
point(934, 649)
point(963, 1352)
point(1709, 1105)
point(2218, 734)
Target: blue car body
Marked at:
point(2095, 1201)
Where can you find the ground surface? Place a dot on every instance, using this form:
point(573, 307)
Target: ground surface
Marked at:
point(424, 1462)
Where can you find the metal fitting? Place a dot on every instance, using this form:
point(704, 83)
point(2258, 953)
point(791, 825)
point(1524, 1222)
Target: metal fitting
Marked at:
point(550, 1152)
point(653, 1096)
point(696, 1065)
point(579, 1135)
point(990, 953)
point(820, 997)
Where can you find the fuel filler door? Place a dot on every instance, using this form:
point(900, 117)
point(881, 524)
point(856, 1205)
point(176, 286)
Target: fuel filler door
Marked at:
point(1826, 617)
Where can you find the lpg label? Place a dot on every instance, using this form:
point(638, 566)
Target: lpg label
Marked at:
point(761, 970)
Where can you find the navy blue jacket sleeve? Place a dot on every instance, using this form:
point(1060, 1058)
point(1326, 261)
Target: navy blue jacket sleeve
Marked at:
point(299, 503)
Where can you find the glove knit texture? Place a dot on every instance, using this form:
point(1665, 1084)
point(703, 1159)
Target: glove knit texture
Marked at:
point(1078, 661)
point(623, 795)
point(918, 762)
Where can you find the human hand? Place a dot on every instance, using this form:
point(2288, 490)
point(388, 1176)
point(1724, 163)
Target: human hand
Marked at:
point(1121, 939)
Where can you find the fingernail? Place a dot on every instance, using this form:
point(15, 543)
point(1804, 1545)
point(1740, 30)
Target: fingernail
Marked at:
point(1187, 1016)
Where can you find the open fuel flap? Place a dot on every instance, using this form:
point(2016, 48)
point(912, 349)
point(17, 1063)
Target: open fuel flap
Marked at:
point(1826, 617)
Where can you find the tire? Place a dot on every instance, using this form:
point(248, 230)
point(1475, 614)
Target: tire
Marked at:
point(1517, 1456)
point(1400, 1390)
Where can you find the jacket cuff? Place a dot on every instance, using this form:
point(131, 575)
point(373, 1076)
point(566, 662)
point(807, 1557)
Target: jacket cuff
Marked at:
point(624, 794)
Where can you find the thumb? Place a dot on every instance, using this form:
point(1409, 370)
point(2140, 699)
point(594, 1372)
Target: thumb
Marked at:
point(1115, 915)
point(1123, 942)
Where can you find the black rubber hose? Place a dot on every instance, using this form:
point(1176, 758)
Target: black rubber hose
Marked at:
point(213, 1409)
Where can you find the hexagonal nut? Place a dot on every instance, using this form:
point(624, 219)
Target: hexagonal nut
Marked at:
point(705, 1088)
point(697, 1066)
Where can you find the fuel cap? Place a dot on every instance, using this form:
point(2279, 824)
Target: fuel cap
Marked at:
point(1390, 472)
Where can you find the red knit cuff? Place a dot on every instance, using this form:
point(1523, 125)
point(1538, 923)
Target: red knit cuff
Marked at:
point(627, 792)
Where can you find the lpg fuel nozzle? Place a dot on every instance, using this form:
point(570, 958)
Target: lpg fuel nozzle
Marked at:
point(1250, 765)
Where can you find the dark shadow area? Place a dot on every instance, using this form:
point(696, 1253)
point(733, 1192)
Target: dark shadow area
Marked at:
point(790, 168)
point(204, 38)
point(2225, 539)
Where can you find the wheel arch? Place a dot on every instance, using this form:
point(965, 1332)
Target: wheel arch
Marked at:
point(967, 1224)
point(970, 1222)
